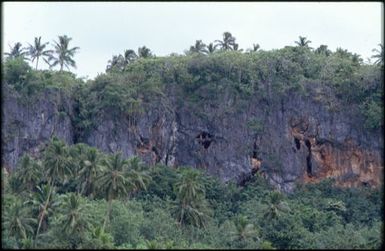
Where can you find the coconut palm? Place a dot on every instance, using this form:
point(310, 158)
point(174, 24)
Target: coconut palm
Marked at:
point(113, 181)
point(190, 185)
point(194, 212)
point(276, 205)
point(244, 229)
point(343, 53)
point(198, 47)
point(17, 52)
point(190, 203)
point(28, 173)
point(37, 50)
point(255, 48)
point(90, 169)
point(63, 55)
point(323, 49)
point(227, 43)
point(77, 155)
point(379, 56)
point(356, 58)
point(57, 166)
point(303, 42)
point(137, 177)
point(73, 219)
point(117, 62)
point(144, 52)
point(57, 162)
point(129, 56)
point(211, 48)
point(17, 220)
point(38, 201)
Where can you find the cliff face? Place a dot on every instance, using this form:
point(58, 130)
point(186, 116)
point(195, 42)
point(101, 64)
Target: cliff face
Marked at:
point(28, 124)
point(289, 139)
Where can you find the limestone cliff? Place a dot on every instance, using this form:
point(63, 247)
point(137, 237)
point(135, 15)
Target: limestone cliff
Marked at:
point(290, 138)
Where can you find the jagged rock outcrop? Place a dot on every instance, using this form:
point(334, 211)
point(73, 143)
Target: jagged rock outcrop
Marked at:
point(293, 138)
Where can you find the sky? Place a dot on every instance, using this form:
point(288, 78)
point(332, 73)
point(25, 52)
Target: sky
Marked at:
point(103, 29)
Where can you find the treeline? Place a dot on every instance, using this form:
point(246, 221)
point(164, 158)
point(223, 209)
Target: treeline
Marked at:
point(62, 55)
point(77, 197)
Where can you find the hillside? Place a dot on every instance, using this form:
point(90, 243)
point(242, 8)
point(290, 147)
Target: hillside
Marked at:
point(291, 114)
point(278, 149)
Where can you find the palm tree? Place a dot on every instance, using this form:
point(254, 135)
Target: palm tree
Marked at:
point(276, 205)
point(144, 52)
point(323, 49)
point(198, 47)
point(39, 199)
point(190, 185)
point(64, 55)
point(57, 167)
point(380, 55)
point(227, 43)
point(356, 58)
point(255, 48)
point(343, 53)
point(303, 42)
point(37, 50)
point(211, 48)
point(28, 173)
point(194, 212)
point(73, 219)
point(244, 229)
point(16, 52)
point(57, 161)
point(17, 220)
point(137, 177)
point(117, 62)
point(129, 56)
point(113, 181)
point(190, 203)
point(90, 170)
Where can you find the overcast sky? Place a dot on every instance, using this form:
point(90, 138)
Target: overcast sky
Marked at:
point(103, 29)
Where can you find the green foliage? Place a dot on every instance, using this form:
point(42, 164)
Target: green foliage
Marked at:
point(65, 198)
point(225, 79)
point(168, 207)
point(373, 112)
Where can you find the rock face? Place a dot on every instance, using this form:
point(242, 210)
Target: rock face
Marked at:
point(291, 139)
point(28, 124)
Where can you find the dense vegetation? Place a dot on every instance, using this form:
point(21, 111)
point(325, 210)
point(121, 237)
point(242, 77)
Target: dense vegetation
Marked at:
point(132, 81)
point(76, 197)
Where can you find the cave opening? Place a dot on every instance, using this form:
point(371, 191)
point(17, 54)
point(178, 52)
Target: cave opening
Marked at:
point(297, 143)
point(309, 170)
point(205, 139)
point(156, 152)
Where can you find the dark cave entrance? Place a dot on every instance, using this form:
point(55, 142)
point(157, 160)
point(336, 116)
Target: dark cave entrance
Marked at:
point(308, 159)
point(297, 143)
point(205, 139)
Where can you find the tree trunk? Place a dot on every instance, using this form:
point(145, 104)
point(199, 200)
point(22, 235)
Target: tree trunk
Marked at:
point(108, 213)
point(37, 62)
point(44, 210)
